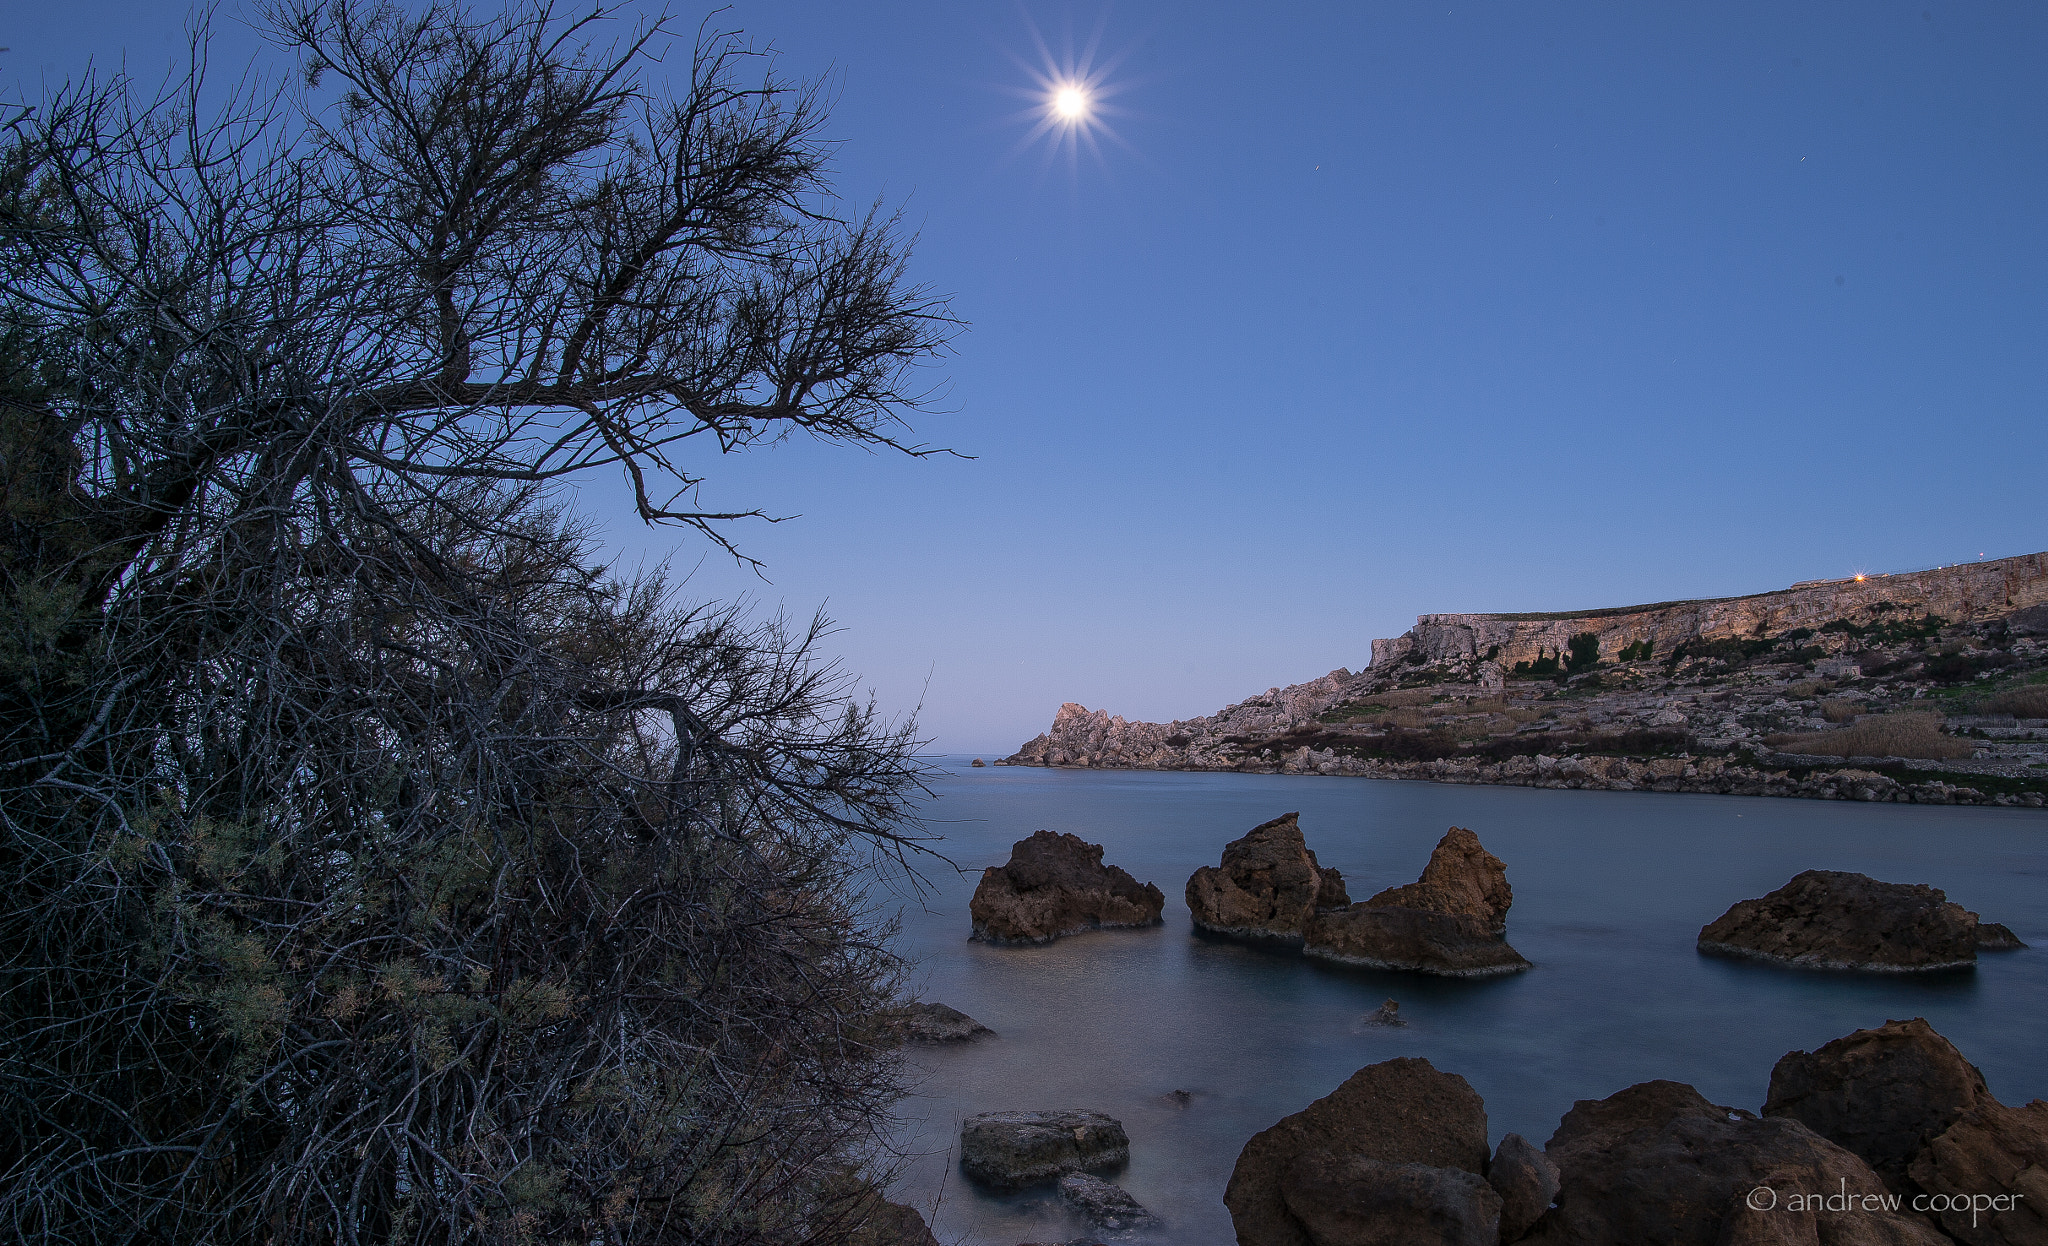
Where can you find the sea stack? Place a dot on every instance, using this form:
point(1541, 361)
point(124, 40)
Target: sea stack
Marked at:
point(1268, 887)
point(1451, 922)
point(1055, 885)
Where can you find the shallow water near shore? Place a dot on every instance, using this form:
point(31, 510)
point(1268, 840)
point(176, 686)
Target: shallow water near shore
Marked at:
point(1610, 891)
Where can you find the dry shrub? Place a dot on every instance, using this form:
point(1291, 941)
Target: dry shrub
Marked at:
point(1409, 718)
point(1883, 735)
point(2020, 702)
point(1808, 688)
point(1840, 711)
point(1404, 696)
point(1522, 714)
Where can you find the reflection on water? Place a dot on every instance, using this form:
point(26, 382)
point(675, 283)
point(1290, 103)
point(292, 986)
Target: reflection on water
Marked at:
point(1611, 889)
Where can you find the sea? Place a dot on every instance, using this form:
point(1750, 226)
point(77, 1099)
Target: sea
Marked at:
point(1610, 891)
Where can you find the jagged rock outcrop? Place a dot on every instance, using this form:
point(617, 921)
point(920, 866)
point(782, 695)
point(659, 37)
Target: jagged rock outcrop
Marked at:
point(1451, 922)
point(1832, 919)
point(1659, 1163)
point(1268, 886)
point(1056, 884)
point(1883, 1093)
point(1009, 1150)
point(1395, 1113)
point(1986, 1176)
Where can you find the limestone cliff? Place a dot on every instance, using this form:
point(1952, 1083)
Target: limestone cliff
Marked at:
point(1678, 696)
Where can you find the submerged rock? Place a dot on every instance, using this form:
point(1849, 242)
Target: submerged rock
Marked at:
point(1398, 1112)
point(1831, 919)
point(937, 1023)
point(1268, 886)
point(1387, 1014)
point(1451, 922)
point(1013, 1149)
point(1108, 1205)
point(1659, 1163)
point(1057, 885)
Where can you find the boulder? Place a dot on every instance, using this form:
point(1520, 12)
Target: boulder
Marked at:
point(977, 763)
point(1451, 922)
point(892, 1224)
point(1398, 1112)
point(1461, 878)
point(937, 1023)
point(1009, 1150)
point(1057, 885)
point(1659, 1163)
point(1830, 919)
point(1268, 886)
point(1443, 944)
point(1526, 1181)
point(1986, 1177)
point(1344, 1199)
point(1109, 1206)
point(1883, 1094)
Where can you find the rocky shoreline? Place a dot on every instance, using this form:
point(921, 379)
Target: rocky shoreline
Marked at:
point(1859, 690)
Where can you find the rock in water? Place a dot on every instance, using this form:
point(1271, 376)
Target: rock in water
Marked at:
point(1057, 885)
point(1399, 1112)
point(1451, 922)
point(1461, 878)
point(1830, 919)
point(1992, 937)
point(1658, 1163)
point(1883, 1093)
point(1526, 1181)
point(936, 1023)
point(1110, 1206)
point(1388, 1013)
point(1268, 886)
point(977, 763)
point(1013, 1149)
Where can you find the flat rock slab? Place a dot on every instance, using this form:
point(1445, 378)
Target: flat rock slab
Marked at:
point(1109, 1206)
point(1009, 1150)
point(1831, 919)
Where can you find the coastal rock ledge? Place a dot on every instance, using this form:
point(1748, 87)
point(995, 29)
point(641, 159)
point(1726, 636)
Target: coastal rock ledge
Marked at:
point(1452, 922)
point(1268, 888)
point(1832, 919)
point(1056, 884)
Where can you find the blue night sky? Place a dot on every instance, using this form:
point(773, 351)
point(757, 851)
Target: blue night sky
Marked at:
point(1354, 311)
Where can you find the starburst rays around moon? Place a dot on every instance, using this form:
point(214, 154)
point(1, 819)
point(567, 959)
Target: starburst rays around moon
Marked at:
point(1070, 98)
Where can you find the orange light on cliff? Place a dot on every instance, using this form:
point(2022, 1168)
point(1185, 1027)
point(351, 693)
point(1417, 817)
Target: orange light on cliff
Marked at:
point(1859, 579)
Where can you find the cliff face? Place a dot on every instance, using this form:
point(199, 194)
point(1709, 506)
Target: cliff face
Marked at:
point(1684, 696)
point(1965, 593)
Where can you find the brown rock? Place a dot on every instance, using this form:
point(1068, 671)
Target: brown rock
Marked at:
point(1349, 1200)
point(1993, 937)
point(1883, 1093)
point(1986, 1176)
point(1461, 878)
point(1443, 944)
point(1268, 886)
point(1398, 1111)
point(1829, 919)
point(937, 1023)
point(1010, 1150)
point(892, 1224)
point(1526, 1181)
point(1658, 1163)
point(1451, 922)
point(1057, 885)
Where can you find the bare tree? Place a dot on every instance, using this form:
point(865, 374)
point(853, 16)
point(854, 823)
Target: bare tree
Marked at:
point(375, 869)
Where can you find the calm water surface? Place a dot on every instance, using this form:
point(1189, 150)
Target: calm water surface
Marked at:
point(1611, 889)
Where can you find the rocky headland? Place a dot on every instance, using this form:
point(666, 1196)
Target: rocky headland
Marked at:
point(1054, 885)
point(1929, 687)
point(1832, 919)
point(1885, 1137)
point(1452, 922)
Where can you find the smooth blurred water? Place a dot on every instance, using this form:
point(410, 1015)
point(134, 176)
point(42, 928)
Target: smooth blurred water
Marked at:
point(1611, 889)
